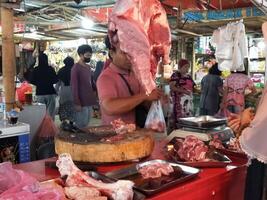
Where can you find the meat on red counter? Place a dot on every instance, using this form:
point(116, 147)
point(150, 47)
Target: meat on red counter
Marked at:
point(192, 149)
point(156, 170)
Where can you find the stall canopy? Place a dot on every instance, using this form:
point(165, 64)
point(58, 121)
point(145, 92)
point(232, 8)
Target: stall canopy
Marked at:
point(68, 19)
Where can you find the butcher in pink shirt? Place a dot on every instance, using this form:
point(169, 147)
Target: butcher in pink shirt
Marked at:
point(116, 100)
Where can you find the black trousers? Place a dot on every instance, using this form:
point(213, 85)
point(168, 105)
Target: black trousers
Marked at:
point(255, 180)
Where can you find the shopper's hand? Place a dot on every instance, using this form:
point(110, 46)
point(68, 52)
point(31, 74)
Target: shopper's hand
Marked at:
point(234, 122)
point(78, 108)
point(155, 95)
point(237, 122)
point(246, 117)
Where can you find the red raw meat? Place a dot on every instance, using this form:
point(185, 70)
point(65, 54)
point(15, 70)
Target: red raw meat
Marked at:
point(121, 127)
point(155, 170)
point(83, 193)
point(217, 143)
point(18, 185)
point(191, 149)
point(120, 190)
point(140, 28)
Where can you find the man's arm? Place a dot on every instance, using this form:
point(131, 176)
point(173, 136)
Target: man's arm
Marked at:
point(114, 106)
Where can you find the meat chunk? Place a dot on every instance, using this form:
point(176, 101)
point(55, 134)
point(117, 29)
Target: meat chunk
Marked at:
point(120, 190)
point(121, 127)
point(156, 170)
point(216, 143)
point(83, 193)
point(16, 184)
point(140, 28)
point(191, 149)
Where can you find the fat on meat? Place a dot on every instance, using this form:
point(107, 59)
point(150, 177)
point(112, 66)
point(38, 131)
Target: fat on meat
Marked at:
point(140, 28)
point(120, 190)
point(217, 143)
point(83, 193)
point(192, 149)
point(155, 170)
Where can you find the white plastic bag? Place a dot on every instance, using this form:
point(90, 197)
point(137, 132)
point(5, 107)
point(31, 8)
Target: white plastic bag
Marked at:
point(155, 119)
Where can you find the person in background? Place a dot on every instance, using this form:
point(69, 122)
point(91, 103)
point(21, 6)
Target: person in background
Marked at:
point(253, 137)
point(119, 91)
point(66, 106)
point(211, 88)
point(182, 86)
point(81, 85)
point(234, 92)
point(44, 77)
point(99, 66)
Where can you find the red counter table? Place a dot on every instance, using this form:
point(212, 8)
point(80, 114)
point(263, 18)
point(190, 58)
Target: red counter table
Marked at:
point(211, 184)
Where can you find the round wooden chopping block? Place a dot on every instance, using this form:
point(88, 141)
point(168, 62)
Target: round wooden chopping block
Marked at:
point(87, 148)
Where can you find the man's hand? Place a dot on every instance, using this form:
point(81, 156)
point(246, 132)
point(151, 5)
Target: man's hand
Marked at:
point(154, 95)
point(78, 108)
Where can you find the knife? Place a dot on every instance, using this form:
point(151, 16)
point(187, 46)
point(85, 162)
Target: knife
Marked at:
point(84, 166)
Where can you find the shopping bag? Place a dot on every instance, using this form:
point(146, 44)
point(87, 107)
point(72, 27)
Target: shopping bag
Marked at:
point(155, 119)
point(24, 87)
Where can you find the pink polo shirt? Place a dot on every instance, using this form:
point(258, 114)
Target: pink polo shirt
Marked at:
point(110, 85)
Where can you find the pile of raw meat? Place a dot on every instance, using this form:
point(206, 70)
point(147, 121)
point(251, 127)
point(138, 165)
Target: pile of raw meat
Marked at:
point(216, 143)
point(16, 184)
point(121, 128)
point(141, 30)
point(191, 149)
point(80, 186)
point(156, 170)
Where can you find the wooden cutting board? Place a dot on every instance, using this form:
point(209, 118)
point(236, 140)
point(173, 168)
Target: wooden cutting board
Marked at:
point(89, 146)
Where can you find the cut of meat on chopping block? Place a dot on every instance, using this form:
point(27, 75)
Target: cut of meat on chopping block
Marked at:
point(105, 148)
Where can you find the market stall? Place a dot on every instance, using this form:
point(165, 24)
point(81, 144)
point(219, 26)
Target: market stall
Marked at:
point(211, 183)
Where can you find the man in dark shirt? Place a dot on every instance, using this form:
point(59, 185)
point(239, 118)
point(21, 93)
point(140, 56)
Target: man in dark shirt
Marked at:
point(81, 85)
point(43, 77)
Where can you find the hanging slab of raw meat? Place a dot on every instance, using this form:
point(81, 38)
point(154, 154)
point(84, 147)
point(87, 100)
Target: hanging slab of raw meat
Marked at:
point(140, 28)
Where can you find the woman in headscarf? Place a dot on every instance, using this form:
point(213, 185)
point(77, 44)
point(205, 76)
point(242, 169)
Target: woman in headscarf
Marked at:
point(66, 106)
point(44, 77)
point(182, 85)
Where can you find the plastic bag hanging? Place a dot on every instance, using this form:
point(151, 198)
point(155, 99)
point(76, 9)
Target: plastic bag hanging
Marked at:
point(155, 119)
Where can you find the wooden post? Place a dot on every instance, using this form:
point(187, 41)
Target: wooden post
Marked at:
point(8, 56)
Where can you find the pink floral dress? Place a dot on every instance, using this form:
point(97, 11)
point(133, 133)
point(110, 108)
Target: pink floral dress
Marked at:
point(235, 84)
point(182, 103)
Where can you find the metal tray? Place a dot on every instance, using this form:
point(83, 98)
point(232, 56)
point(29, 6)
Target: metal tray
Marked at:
point(232, 153)
point(204, 121)
point(154, 186)
point(219, 159)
